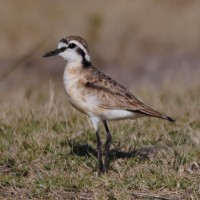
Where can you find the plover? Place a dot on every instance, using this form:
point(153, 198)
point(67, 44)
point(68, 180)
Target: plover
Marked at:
point(97, 95)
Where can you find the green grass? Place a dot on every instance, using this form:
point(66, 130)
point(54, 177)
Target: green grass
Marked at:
point(47, 150)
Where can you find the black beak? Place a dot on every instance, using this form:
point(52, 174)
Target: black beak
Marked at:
point(52, 53)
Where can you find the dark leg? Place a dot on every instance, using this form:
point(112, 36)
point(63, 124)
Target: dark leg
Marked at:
point(99, 144)
point(107, 147)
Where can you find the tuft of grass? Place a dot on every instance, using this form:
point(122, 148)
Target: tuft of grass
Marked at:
point(48, 151)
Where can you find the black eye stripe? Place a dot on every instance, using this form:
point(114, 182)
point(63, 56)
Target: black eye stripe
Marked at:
point(85, 62)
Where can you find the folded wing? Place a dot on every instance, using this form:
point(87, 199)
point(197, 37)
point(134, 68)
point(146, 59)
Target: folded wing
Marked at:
point(115, 96)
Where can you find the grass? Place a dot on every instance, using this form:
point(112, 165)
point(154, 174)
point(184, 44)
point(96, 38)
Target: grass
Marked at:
point(47, 150)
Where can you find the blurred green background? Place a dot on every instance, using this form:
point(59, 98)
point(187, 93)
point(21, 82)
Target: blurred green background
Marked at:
point(138, 43)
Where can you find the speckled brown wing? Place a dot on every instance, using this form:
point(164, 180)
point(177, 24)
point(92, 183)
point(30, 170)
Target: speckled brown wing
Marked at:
point(112, 95)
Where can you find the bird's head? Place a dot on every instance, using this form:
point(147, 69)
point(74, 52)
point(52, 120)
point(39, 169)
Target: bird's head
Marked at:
point(72, 49)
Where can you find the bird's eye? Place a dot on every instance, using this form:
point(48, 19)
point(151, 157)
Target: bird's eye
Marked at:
point(72, 45)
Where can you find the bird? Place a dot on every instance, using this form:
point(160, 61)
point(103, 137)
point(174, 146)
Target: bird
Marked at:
point(97, 95)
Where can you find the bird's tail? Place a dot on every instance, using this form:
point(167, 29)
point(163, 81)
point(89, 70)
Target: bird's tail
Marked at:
point(153, 113)
point(167, 118)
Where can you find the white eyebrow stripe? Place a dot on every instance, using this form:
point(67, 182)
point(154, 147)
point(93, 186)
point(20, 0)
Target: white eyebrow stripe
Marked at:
point(82, 47)
point(79, 45)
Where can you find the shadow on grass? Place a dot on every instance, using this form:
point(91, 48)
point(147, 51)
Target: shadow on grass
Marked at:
point(144, 153)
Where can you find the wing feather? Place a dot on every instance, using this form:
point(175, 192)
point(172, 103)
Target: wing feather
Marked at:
point(115, 96)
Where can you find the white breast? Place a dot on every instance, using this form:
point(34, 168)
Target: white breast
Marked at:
point(76, 94)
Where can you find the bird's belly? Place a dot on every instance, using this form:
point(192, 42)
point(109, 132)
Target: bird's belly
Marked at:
point(117, 114)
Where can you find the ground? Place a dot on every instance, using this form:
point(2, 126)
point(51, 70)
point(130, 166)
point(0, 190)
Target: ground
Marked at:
point(48, 150)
